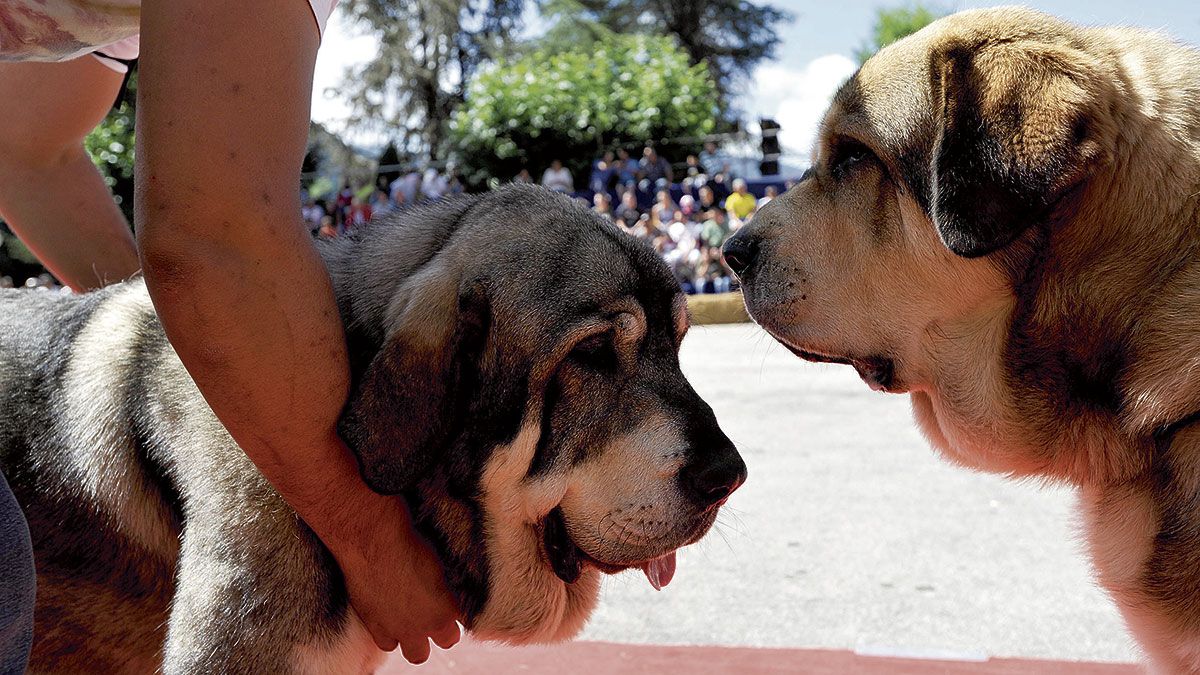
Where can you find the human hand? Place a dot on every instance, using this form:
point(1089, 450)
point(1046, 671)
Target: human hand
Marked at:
point(396, 582)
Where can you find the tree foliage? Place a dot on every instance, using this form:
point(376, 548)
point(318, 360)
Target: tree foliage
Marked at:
point(729, 36)
point(427, 53)
point(894, 24)
point(621, 91)
point(110, 145)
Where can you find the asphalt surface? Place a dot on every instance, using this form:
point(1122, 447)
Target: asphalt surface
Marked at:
point(852, 534)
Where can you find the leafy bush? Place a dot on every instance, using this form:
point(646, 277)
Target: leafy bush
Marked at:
point(623, 90)
point(111, 148)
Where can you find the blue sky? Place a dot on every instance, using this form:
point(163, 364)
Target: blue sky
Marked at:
point(822, 28)
point(817, 48)
point(814, 57)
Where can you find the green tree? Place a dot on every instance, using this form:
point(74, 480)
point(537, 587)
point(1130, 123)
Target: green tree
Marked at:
point(729, 36)
point(623, 90)
point(427, 53)
point(896, 23)
point(110, 146)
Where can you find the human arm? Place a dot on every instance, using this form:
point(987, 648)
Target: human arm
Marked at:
point(51, 194)
point(242, 294)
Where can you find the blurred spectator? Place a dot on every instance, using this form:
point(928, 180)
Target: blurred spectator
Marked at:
point(523, 177)
point(454, 183)
point(714, 230)
point(719, 184)
point(44, 282)
point(656, 170)
point(627, 169)
point(740, 205)
point(687, 205)
point(664, 208)
point(711, 274)
point(712, 160)
point(602, 205)
point(628, 211)
point(380, 203)
point(397, 198)
point(604, 174)
point(433, 185)
point(643, 230)
point(771, 193)
point(681, 232)
point(708, 200)
point(558, 178)
point(696, 175)
point(341, 203)
point(312, 213)
point(327, 230)
point(6, 281)
point(357, 214)
point(405, 188)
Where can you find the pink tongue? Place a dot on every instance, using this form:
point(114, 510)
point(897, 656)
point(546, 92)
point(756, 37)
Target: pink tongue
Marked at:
point(660, 571)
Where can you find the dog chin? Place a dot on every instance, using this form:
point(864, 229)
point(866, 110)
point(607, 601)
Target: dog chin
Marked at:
point(511, 617)
point(877, 371)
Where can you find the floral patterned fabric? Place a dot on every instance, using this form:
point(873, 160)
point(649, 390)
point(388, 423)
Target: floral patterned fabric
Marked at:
point(57, 30)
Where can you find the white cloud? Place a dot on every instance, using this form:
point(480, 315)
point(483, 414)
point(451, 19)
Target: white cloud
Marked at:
point(797, 99)
point(341, 47)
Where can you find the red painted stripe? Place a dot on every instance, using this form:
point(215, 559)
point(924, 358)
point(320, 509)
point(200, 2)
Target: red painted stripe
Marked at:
point(605, 658)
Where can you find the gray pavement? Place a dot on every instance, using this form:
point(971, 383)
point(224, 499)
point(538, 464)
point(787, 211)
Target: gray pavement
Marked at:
point(852, 534)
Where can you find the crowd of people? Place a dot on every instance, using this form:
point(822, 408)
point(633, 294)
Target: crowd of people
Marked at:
point(348, 207)
point(685, 220)
point(44, 281)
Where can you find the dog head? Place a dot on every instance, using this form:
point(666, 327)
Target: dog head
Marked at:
point(942, 169)
point(525, 396)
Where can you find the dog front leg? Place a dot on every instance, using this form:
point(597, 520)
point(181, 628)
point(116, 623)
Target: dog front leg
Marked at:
point(1144, 540)
point(255, 590)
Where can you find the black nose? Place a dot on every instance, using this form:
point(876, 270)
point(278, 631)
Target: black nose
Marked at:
point(739, 251)
point(712, 478)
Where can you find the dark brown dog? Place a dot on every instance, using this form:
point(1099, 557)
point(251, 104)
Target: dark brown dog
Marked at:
point(1003, 221)
point(516, 379)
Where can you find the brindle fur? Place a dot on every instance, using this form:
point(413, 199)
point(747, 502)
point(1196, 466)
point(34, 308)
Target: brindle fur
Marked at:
point(1021, 244)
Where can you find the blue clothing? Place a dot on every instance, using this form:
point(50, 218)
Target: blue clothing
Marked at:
point(601, 179)
point(627, 171)
point(17, 584)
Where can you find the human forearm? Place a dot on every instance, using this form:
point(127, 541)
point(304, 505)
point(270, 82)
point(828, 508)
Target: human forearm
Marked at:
point(260, 334)
point(254, 320)
point(67, 201)
point(50, 192)
point(223, 112)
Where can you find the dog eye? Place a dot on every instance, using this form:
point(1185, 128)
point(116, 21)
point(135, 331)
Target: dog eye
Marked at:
point(847, 155)
point(596, 351)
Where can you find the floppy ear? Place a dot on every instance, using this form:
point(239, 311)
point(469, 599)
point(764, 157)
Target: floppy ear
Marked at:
point(416, 389)
point(1018, 125)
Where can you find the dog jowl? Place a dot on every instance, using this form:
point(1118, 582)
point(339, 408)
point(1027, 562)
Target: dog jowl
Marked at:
point(515, 378)
point(1001, 221)
point(549, 401)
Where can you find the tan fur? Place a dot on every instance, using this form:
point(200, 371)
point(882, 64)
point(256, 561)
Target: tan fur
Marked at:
point(1069, 351)
point(114, 478)
point(514, 507)
point(352, 653)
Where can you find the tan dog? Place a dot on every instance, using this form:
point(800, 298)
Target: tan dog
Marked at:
point(1002, 221)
